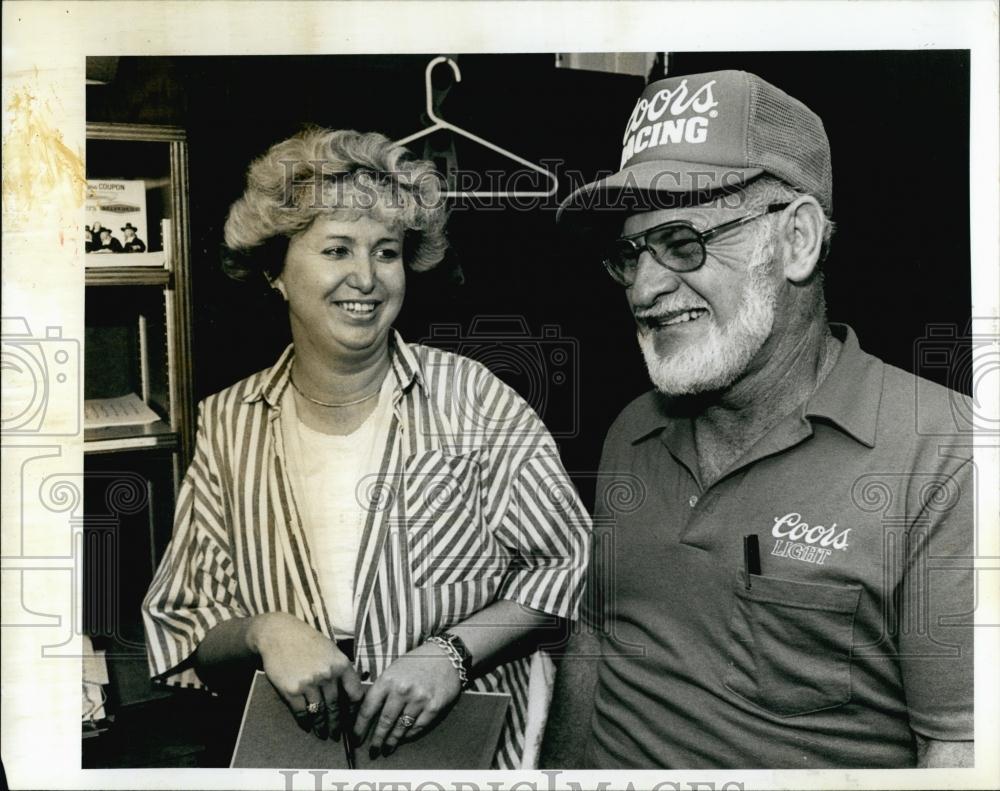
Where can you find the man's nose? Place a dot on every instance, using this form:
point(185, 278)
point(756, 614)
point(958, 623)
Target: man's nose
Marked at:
point(652, 280)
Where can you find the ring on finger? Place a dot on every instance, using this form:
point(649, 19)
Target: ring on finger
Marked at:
point(406, 721)
point(314, 707)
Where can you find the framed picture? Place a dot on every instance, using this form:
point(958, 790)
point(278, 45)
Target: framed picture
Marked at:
point(115, 216)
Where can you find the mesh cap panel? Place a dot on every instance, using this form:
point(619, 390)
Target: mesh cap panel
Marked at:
point(787, 139)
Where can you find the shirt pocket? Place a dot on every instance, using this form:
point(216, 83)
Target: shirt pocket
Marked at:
point(446, 539)
point(790, 644)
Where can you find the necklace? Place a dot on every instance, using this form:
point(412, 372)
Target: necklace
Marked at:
point(327, 403)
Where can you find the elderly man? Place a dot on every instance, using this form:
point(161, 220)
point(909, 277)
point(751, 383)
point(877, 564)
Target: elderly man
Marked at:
point(782, 570)
point(106, 243)
point(132, 243)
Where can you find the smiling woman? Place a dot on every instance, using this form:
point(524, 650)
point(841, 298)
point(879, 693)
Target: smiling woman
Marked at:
point(363, 500)
point(344, 284)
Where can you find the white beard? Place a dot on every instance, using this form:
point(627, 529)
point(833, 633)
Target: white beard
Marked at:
point(717, 361)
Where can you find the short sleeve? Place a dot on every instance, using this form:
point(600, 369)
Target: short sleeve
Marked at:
point(937, 597)
point(548, 530)
point(535, 512)
point(195, 586)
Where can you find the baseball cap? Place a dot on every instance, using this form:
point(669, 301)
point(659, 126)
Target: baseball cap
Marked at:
point(714, 131)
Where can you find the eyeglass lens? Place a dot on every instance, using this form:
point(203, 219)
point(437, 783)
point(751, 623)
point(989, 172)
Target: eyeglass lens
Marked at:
point(677, 247)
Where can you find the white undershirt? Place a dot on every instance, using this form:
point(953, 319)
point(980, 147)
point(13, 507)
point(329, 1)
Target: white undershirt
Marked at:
point(325, 471)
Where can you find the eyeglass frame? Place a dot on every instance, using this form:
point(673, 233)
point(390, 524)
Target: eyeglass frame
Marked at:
point(703, 237)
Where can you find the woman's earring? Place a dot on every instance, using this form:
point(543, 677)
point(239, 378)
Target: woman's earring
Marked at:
point(278, 286)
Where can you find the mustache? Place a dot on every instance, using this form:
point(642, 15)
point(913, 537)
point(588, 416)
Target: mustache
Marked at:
point(664, 312)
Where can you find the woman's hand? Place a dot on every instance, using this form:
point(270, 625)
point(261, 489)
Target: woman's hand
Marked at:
point(421, 685)
point(306, 668)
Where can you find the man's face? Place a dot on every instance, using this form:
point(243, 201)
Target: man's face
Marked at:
point(700, 331)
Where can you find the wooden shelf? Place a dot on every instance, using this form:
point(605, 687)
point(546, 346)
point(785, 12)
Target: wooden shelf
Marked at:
point(139, 337)
point(128, 276)
point(143, 133)
point(111, 439)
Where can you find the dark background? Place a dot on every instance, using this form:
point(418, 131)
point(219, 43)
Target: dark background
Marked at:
point(898, 124)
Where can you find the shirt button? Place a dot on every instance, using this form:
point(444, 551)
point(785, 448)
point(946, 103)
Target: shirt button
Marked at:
point(693, 500)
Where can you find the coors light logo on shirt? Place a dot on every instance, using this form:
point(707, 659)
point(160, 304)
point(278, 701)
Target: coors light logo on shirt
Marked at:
point(671, 115)
point(799, 540)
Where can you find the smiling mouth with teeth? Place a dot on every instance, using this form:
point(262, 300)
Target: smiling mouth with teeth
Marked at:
point(673, 318)
point(359, 308)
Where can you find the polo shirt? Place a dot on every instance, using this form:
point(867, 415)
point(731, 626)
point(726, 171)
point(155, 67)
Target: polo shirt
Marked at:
point(856, 634)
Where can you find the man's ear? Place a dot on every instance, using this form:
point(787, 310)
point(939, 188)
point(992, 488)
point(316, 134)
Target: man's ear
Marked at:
point(803, 238)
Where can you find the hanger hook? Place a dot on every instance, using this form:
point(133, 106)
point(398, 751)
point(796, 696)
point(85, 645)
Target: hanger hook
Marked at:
point(430, 89)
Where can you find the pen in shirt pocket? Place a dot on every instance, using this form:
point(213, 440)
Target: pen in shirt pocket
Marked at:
point(751, 558)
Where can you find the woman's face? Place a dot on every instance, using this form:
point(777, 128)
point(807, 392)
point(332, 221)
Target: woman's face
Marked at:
point(344, 283)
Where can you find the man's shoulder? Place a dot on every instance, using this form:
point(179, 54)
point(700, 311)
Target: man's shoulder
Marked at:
point(912, 402)
point(640, 416)
point(911, 416)
point(921, 424)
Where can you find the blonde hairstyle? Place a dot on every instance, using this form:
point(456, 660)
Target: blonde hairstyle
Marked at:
point(340, 172)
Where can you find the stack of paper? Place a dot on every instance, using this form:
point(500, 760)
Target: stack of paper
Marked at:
point(126, 410)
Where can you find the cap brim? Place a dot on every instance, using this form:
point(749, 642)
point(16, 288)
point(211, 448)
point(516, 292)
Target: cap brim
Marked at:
point(637, 186)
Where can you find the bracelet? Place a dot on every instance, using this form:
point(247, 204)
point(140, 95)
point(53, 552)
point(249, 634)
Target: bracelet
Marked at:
point(459, 645)
point(453, 656)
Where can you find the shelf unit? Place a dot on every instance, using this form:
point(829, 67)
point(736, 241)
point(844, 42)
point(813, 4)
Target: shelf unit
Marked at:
point(138, 340)
point(154, 148)
point(129, 276)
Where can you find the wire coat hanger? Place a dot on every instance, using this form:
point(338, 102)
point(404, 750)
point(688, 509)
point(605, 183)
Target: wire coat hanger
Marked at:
point(439, 123)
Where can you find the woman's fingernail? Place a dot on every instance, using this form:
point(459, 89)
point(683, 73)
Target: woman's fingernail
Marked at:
point(372, 753)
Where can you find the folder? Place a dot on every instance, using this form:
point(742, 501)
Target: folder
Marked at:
point(465, 738)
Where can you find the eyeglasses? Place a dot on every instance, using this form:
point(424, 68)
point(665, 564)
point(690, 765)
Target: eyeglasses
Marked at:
point(676, 245)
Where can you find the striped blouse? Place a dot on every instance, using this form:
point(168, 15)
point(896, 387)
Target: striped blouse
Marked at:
point(471, 504)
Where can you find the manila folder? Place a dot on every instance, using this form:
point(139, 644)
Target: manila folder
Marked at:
point(466, 738)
